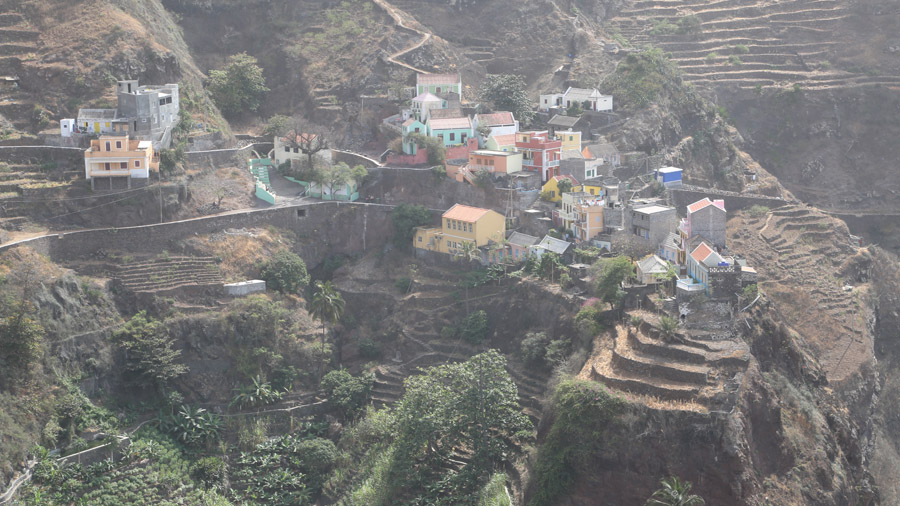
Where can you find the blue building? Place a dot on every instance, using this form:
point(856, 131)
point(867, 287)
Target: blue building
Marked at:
point(670, 177)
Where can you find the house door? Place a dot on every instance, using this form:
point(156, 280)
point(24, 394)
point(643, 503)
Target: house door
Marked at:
point(97, 126)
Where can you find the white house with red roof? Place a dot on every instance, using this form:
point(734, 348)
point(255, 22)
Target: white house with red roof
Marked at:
point(701, 259)
point(500, 123)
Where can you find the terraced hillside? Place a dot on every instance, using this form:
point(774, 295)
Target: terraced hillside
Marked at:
point(19, 45)
point(753, 44)
point(169, 273)
point(806, 260)
point(691, 373)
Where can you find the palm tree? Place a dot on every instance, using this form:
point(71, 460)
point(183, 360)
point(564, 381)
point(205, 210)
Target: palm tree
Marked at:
point(674, 492)
point(327, 305)
point(467, 253)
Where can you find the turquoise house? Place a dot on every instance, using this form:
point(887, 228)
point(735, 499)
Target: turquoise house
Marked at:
point(452, 131)
point(347, 191)
point(411, 126)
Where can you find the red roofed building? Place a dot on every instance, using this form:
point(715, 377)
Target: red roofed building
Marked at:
point(459, 225)
point(500, 123)
point(540, 153)
point(705, 218)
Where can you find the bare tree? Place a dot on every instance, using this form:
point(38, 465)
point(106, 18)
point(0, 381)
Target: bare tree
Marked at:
point(308, 138)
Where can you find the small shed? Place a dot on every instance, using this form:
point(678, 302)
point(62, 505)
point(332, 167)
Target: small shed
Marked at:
point(245, 288)
point(670, 177)
point(66, 127)
point(650, 267)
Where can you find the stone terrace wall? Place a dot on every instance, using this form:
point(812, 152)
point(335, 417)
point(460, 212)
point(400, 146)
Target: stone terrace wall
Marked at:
point(33, 154)
point(687, 194)
point(321, 228)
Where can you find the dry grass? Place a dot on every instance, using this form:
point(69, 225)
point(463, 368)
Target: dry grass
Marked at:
point(240, 251)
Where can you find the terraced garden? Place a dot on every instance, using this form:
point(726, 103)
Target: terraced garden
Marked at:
point(753, 44)
point(169, 273)
point(18, 46)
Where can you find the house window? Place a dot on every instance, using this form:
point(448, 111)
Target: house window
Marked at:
point(123, 165)
point(106, 166)
point(440, 137)
point(437, 90)
point(137, 164)
point(452, 136)
point(296, 150)
point(301, 213)
point(107, 146)
point(420, 238)
point(287, 149)
point(470, 227)
point(417, 129)
point(118, 144)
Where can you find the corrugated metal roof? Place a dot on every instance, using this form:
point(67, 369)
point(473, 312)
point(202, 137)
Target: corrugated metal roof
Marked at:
point(554, 245)
point(455, 112)
point(564, 121)
point(465, 213)
point(520, 239)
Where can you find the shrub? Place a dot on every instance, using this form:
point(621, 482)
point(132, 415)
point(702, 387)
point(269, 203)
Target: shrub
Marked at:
point(369, 348)
point(741, 49)
point(347, 393)
point(556, 352)
point(711, 56)
point(758, 211)
point(209, 471)
point(439, 173)
point(668, 326)
point(533, 347)
point(735, 60)
point(565, 280)
point(750, 292)
point(285, 272)
point(239, 86)
point(690, 24)
point(405, 218)
point(474, 327)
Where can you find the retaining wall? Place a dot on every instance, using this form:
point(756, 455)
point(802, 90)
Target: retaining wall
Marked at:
point(681, 197)
point(37, 154)
point(321, 228)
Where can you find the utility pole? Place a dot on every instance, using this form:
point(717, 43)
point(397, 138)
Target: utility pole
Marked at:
point(159, 182)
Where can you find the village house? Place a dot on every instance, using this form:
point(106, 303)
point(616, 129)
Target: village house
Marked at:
point(589, 99)
point(602, 153)
point(348, 191)
point(571, 139)
point(519, 245)
point(561, 122)
point(551, 187)
point(711, 273)
point(287, 149)
point(423, 104)
point(119, 157)
point(439, 84)
point(670, 249)
point(588, 222)
point(411, 126)
point(495, 162)
point(670, 177)
point(461, 224)
point(705, 218)
point(540, 153)
point(451, 131)
point(501, 142)
point(549, 244)
point(578, 203)
point(652, 223)
point(650, 269)
point(500, 123)
point(143, 113)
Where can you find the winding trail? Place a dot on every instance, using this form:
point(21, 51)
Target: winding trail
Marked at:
point(398, 19)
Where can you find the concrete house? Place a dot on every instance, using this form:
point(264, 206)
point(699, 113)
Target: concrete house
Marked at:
point(552, 186)
point(712, 273)
point(143, 112)
point(286, 150)
point(411, 126)
point(460, 224)
point(602, 153)
point(652, 223)
point(501, 142)
point(495, 162)
point(705, 218)
point(451, 131)
point(588, 222)
point(119, 158)
point(439, 84)
point(670, 248)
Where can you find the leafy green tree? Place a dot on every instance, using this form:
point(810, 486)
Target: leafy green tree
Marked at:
point(239, 86)
point(483, 130)
point(750, 292)
point(20, 338)
point(326, 305)
point(564, 186)
point(550, 265)
point(149, 350)
point(471, 405)
point(347, 393)
point(337, 175)
point(507, 92)
point(483, 179)
point(285, 272)
point(674, 492)
point(609, 283)
point(209, 471)
point(467, 253)
point(192, 426)
point(278, 124)
point(405, 218)
point(437, 152)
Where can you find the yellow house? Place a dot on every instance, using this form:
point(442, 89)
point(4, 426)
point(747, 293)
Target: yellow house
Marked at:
point(461, 224)
point(571, 139)
point(593, 187)
point(552, 186)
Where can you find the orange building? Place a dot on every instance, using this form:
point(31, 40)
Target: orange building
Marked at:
point(119, 157)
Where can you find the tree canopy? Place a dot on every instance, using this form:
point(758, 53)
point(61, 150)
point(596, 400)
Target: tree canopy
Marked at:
point(239, 86)
point(507, 93)
point(285, 272)
point(406, 217)
point(335, 176)
point(609, 282)
point(149, 349)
